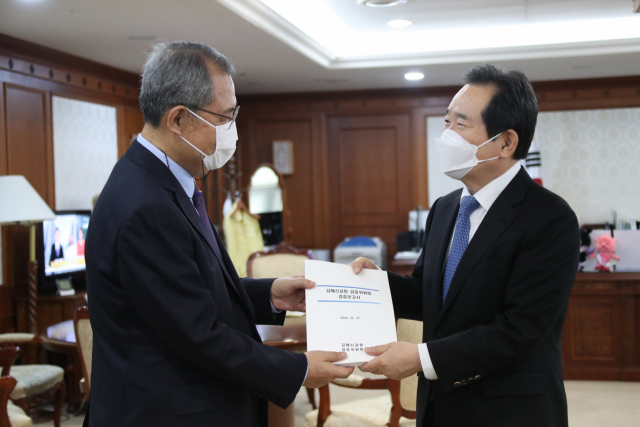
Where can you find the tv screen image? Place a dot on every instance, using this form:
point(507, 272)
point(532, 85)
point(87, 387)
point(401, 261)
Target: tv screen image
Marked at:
point(64, 240)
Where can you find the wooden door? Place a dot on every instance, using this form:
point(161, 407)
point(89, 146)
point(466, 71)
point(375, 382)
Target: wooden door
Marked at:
point(369, 177)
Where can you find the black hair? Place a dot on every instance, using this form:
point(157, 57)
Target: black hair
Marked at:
point(512, 106)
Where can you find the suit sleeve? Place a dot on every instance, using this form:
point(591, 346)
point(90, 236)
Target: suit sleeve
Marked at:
point(162, 281)
point(536, 295)
point(259, 291)
point(406, 291)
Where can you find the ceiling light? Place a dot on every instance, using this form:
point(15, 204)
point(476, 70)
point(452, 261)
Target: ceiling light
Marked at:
point(399, 23)
point(414, 76)
point(381, 3)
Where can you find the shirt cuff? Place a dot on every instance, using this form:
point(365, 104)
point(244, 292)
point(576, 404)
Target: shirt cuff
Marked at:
point(274, 311)
point(425, 360)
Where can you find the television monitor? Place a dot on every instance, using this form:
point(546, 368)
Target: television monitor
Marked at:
point(63, 241)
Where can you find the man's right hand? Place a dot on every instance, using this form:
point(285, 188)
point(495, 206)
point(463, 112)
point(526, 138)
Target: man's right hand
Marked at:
point(361, 263)
point(322, 370)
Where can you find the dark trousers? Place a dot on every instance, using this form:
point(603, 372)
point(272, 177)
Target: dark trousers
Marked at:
point(86, 417)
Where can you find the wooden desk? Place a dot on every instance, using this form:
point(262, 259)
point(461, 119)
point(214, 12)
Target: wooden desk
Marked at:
point(291, 336)
point(403, 266)
point(51, 309)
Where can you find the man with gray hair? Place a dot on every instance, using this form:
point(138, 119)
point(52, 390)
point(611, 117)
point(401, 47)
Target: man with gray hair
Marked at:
point(175, 341)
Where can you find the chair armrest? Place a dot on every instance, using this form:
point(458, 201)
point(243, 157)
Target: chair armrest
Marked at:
point(7, 384)
point(19, 338)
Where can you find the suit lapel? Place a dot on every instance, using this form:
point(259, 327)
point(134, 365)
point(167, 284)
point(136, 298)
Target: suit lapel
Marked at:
point(438, 244)
point(192, 215)
point(500, 216)
point(196, 222)
point(235, 279)
point(143, 157)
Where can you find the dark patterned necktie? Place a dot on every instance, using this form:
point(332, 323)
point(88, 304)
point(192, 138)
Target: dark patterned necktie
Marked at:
point(198, 202)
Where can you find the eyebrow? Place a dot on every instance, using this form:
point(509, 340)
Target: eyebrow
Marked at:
point(461, 115)
point(231, 109)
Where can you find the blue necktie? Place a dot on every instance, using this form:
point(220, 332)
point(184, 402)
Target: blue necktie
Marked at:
point(460, 240)
point(198, 202)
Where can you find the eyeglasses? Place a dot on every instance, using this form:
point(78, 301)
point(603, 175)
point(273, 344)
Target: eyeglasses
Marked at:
point(231, 119)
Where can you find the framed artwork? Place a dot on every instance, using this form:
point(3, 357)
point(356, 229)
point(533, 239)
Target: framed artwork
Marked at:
point(283, 157)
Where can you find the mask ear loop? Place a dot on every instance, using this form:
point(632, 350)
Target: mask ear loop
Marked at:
point(489, 140)
point(486, 142)
point(203, 178)
point(204, 175)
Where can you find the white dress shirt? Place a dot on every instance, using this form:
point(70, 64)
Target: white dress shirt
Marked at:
point(486, 196)
point(184, 178)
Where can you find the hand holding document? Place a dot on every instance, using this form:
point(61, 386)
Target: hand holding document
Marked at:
point(348, 312)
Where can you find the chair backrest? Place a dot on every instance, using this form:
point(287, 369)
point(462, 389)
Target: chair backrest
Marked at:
point(409, 331)
point(84, 341)
point(280, 261)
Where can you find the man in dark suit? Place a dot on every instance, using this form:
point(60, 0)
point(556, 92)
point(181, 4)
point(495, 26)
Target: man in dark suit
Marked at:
point(175, 339)
point(493, 280)
point(56, 248)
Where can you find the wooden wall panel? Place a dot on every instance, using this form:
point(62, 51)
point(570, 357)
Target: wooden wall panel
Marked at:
point(29, 153)
point(299, 186)
point(369, 177)
point(362, 154)
point(130, 124)
point(6, 310)
point(27, 142)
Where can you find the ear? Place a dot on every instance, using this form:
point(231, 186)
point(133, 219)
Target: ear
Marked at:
point(509, 141)
point(176, 119)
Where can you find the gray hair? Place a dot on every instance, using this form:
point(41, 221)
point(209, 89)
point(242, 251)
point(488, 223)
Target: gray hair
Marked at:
point(177, 73)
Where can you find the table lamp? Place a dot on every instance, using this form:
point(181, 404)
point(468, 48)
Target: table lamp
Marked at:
point(21, 204)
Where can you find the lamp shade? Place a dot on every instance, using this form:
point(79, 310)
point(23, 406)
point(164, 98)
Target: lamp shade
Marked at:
point(20, 202)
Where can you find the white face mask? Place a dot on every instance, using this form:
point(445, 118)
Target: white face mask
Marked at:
point(456, 155)
point(226, 137)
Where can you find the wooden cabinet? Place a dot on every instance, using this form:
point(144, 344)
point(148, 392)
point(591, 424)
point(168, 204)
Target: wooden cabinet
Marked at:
point(601, 337)
point(51, 309)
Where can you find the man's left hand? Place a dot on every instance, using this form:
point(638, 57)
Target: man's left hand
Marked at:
point(396, 360)
point(287, 293)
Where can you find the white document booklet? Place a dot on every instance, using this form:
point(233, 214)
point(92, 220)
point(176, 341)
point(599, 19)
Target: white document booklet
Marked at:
point(346, 312)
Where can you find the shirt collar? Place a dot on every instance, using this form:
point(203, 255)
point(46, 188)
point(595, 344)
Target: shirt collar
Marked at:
point(488, 194)
point(184, 178)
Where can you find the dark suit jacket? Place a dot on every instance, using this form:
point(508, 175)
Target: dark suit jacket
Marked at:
point(495, 342)
point(175, 342)
point(56, 255)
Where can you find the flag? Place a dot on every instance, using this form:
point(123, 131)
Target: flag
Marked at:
point(533, 162)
